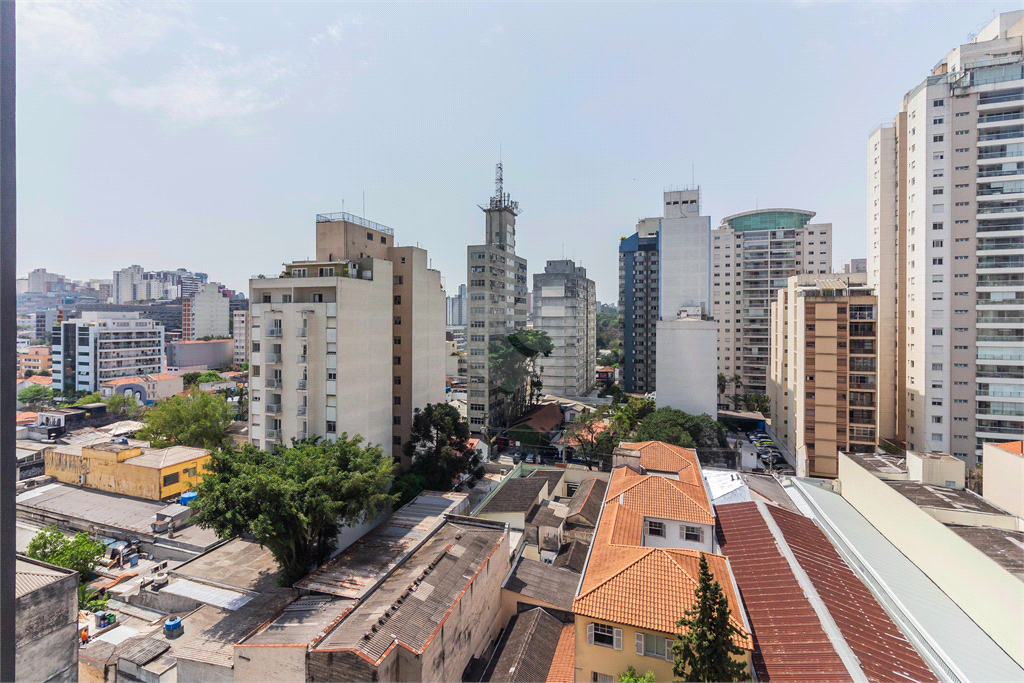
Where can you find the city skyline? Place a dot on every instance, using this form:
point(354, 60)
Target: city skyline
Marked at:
point(188, 123)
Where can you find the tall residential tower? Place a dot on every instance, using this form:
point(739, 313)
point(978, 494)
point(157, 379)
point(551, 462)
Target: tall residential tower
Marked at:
point(565, 307)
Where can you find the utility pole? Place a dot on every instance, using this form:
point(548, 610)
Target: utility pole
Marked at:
point(8, 340)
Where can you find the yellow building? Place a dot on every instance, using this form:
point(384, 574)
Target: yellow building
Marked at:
point(36, 359)
point(644, 565)
point(128, 467)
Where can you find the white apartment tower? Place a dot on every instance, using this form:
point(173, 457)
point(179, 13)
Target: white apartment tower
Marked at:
point(102, 346)
point(497, 308)
point(565, 307)
point(946, 247)
point(753, 256)
point(205, 312)
point(240, 334)
point(350, 342)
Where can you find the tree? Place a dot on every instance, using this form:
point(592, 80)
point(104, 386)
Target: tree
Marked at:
point(121, 403)
point(94, 397)
point(294, 500)
point(513, 365)
point(704, 648)
point(759, 402)
point(197, 419)
point(737, 390)
point(190, 378)
point(35, 395)
point(584, 436)
point(79, 553)
point(439, 447)
point(723, 384)
point(209, 376)
point(43, 373)
point(631, 676)
point(29, 373)
point(682, 429)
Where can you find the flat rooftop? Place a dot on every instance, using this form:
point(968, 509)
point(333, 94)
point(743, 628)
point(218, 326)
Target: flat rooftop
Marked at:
point(96, 507)
point(943, 498)
point(878, 463)
point(238, 564)
point(1002, 545)
point(357, 569)
point(414, 599)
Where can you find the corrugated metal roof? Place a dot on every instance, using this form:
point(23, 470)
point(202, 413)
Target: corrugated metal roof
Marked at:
point(949, 639)
point(210, 595)
point(145, 651)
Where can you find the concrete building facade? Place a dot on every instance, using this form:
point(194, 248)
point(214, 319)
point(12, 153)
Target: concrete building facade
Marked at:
point(565, 307)
point(688, 381)
point(497, 308)
point(240, 334)
point(949, 253)
point(753, 255)
point(664, 266)
point(46, 622)
point(824, 364)
point(204, 313)
point(97, 347)
point(208, 355)
point(347, 344)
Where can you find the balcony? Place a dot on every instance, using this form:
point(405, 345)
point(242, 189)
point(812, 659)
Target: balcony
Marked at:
point(862, 382)
point(300, 435)
point(272, 434)
point(272, 408)
point(1007, 116)
point(301, 358)
point(271, 357)
point(300, 411)
point(302, 385)
point(301, 332)
point(272, 383)
point(1000, 390)
point(998, 134)
point(274, 332)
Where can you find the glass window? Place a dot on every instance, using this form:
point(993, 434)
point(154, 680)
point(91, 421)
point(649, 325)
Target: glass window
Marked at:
point(604, 635)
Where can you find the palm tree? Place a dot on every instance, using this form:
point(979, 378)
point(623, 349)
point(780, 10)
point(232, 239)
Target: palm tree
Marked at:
point(737, 389)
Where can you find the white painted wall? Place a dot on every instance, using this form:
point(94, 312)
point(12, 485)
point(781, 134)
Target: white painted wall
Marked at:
point(687, 369)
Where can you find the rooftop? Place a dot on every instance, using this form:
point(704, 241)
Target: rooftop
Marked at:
point(793, 583)
point(96, 507)
point(31, 575)
point(340, 216)
point(540, 582)
point(1015, 447)
point(356, 571)
point(653, 495)
point(585, 504)
point(238, 564)
point(879, 463)
point(414, 600)
point(516, 494)
point(1005, 546)
point(543, 419)
point(158, 458)
point(554, 475)
point(926, 495)
point(572, 555)
point(526, 649)
point(563, 664)
point(546, 514)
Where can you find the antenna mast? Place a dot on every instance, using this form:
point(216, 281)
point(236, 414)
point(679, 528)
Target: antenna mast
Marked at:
point(499, 181)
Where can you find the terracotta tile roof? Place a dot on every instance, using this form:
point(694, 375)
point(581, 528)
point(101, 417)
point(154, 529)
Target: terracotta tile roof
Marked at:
point(626, 527)
point(651, 588)
point(26, 418)
point(563, 665)
point(656, 496)
point(163, 375)
point(1015, 447)
point(36, 379)
point(663, 457)
point(790, 644)
point(883, 651)
point(122, 380)
point(593, 429)
point(544, 418)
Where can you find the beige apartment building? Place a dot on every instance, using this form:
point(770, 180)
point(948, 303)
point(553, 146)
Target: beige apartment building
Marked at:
point(946, 248)
point(351, 342)
point(823, 370)
point(752, 256)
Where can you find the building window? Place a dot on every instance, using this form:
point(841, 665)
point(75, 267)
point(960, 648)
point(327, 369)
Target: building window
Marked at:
point(383, 240)
point(936, 331)
point(171, 478)
point(649, 645)
point(656, 529)
point(397, 360)
point(936, 226)
point(398, 400)
point(396, 440)
point(938, 103)
point(398, 341)
point(398, 320)
point(369, 236)
point(937, 138)
point(604, 635)
point(332, 427)
point(596, 677)
point(691, 533)
point(398, 380)
point(398, 299)
point(398, 279)
point(396, 419)
point(286, 298)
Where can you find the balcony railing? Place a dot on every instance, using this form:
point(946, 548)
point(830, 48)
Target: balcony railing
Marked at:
point(302, 385)
point(272, 434)
point(272, 408)
point(1008, 116)
point(301, 358)
point(271, 357)
point(300, 411)
point(274, 332)
point(301, 332)
point(272, 383)
point(1001, 135)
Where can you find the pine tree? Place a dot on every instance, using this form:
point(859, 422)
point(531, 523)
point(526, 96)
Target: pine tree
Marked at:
point(705, 646)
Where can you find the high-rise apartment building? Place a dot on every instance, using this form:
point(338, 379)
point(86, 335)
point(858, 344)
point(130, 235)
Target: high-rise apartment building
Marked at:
point(101, 346)
point(458, 308)
point(824, 360)
point(856, 265)
point(240, 333)
point(565, 307)
point(497, 308)
point(204, 313)
point(41, 282)
point(351, 342)
point(947, 253)
point(135, 283)
point(664, 267)
point(753, 255)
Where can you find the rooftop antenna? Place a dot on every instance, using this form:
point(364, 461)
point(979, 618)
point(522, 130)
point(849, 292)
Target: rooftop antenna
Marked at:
point(499, 182)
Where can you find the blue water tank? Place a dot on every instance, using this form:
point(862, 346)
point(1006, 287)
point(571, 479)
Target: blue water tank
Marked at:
point(173, 627)
point(187, 498)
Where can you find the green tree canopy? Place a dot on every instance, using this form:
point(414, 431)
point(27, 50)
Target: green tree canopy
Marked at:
point(35, 394)
point(189, 378)
point(43, 373)
point(197, 419)
point(439, 446)
point(631, 676)
point(209, 376)
point(29, 373)
point(94, 397)
point(294, 500)
point(122, 404)
point(681, 429)
point(513, 365)
point(705, 648)
point(590, 438)
point(79, 553)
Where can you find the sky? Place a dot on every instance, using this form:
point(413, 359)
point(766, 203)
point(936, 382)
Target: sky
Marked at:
point(208, 136)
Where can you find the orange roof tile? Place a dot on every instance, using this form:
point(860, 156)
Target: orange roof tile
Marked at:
point(593, 429)
point(27, 418)
point(122, 380)
point(654, 495)
point(41, 381)
point(163, 375)
point(563, 665)
point(663, 457)
point(653, 587)
point(1015, 447)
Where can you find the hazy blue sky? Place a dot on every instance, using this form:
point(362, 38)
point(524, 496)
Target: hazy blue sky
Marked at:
point(207, 136)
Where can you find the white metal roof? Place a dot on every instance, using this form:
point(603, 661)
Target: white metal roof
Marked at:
point(211, 595)
point(935, 624)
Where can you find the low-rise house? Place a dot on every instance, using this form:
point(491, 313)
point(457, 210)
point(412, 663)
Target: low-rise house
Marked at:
point(128, 467)
point(145, 389)
point(538, 427)
point(535, 646)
